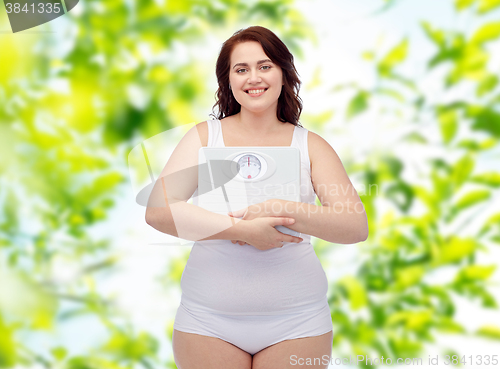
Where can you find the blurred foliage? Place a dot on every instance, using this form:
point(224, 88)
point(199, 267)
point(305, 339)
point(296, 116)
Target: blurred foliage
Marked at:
point(400, 307)
point(68, 119)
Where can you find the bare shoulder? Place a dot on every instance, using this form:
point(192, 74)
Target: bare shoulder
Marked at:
point(203, 133)
point(328, 173)
point(318, 148)
point(315, 139)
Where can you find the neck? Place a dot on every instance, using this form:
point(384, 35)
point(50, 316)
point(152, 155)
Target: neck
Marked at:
point(258, 123)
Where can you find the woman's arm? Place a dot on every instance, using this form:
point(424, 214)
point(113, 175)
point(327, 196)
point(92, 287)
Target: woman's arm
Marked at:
point(334, 224)
point(191, 222)
point(340, 219)
point(168, 210)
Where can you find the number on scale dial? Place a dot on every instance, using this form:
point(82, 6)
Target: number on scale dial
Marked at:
point(249, 166)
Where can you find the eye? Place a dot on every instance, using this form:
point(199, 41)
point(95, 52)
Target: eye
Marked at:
point(238, 71)
point(266, 66)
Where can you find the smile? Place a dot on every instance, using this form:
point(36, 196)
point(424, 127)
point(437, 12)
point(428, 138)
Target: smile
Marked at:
point(256, 92)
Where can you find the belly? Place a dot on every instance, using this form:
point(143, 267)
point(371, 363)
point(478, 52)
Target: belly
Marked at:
point(238, 280)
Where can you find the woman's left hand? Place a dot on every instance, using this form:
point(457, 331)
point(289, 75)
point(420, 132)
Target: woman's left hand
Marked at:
point(262, 209)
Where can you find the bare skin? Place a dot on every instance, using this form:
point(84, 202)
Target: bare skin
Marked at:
point(193, 351)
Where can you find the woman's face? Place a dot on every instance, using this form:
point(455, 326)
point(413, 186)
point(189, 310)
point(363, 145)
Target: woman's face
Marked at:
point(252, 71)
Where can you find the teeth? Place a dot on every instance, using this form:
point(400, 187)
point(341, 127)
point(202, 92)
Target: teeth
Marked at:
point(255, 91)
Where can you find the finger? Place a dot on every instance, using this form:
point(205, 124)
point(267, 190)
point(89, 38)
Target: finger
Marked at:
point(233, 241)
point(294, 239)
point(283, 221)
point(241, 243)
point(237, 213)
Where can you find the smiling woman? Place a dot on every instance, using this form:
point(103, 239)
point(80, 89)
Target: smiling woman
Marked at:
point(250, 57)
point(258, 78)
point(256, 304)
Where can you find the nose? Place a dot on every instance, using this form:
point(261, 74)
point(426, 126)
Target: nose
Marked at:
point(254, 77)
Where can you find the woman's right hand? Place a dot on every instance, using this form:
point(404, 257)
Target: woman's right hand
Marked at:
point(261, 234)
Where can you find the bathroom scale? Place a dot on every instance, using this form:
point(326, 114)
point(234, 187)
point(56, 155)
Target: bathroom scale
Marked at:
point(240, 176)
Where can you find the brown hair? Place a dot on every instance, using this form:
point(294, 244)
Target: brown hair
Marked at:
point(289, 102)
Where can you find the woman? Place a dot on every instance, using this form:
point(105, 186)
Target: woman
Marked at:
point(261, 304)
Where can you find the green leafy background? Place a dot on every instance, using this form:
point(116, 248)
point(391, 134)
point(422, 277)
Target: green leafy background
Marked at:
point(412, 112)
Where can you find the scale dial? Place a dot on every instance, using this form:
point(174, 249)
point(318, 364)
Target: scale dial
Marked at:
point(250, 166)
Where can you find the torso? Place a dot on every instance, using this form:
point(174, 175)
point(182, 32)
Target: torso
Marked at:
point(234, 137)
point(246, 281)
